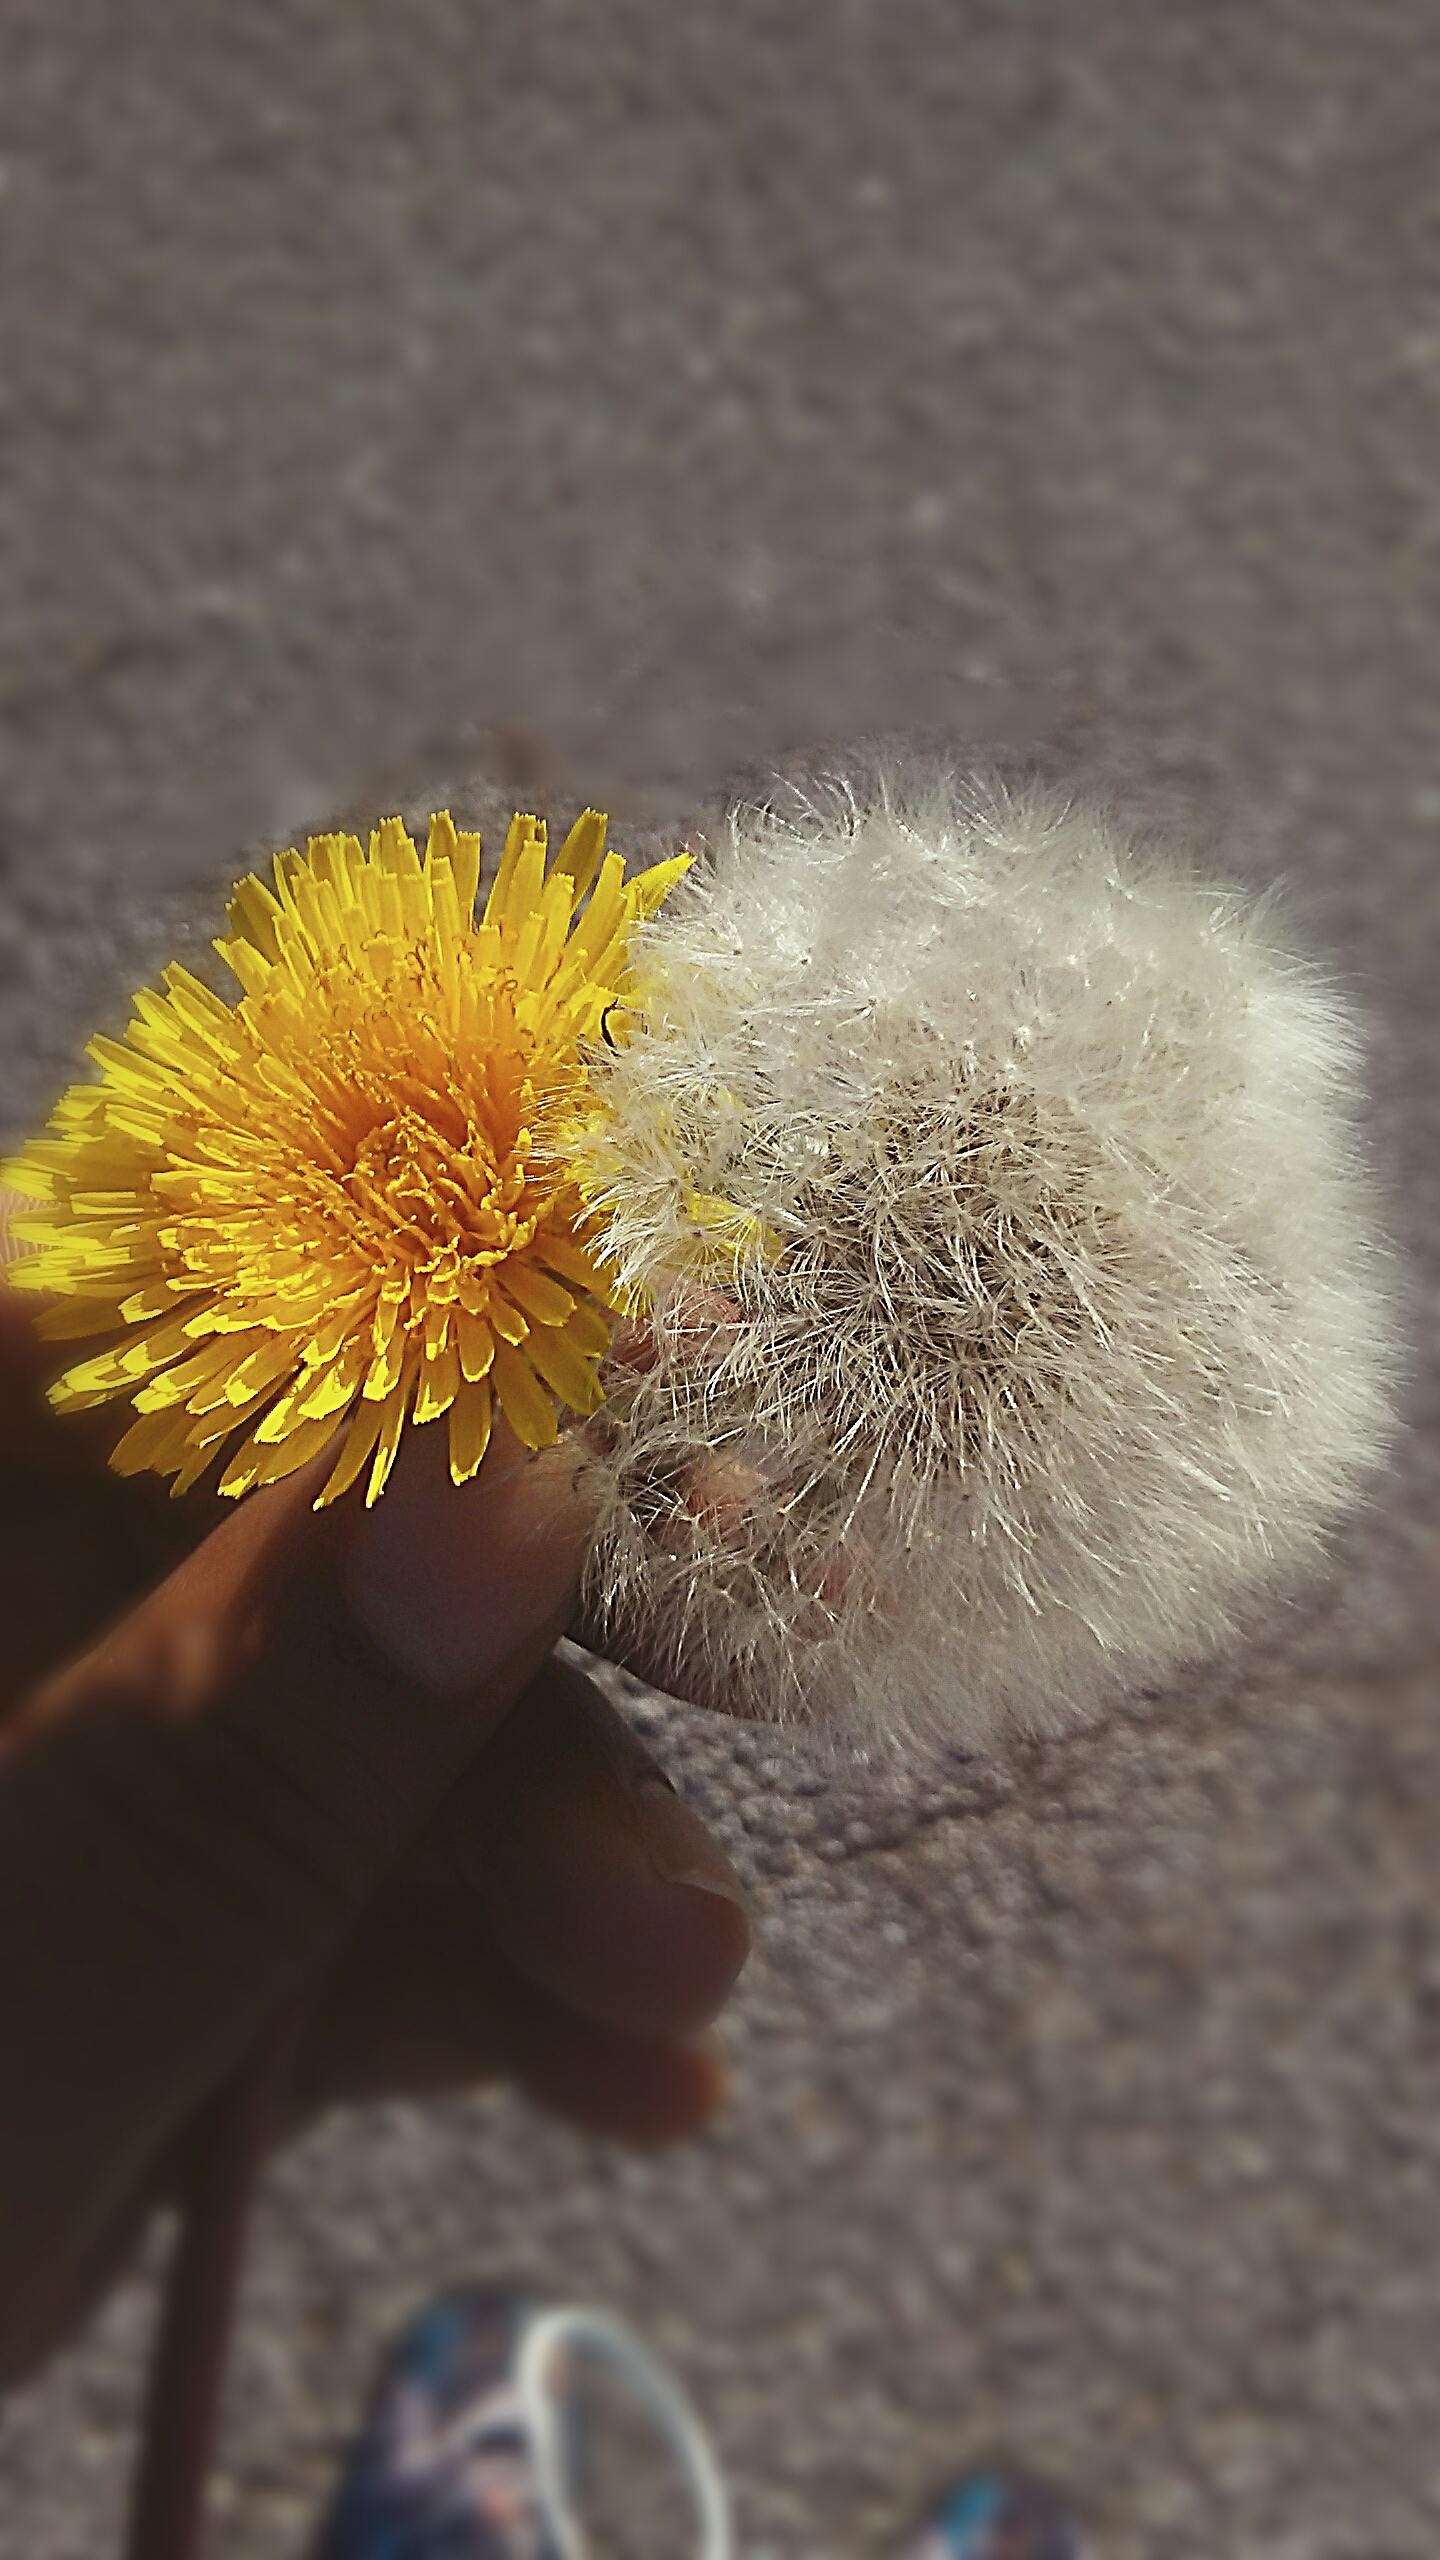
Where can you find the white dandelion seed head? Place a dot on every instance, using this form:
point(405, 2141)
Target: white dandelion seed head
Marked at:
point(1062, 1332)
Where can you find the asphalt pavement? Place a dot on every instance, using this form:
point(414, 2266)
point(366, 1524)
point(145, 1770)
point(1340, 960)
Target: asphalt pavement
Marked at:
point(561, 404)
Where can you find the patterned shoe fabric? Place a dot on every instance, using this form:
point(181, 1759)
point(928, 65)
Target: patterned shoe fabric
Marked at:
point(443, 2468)
point(997, 2514)
point(502, 2430)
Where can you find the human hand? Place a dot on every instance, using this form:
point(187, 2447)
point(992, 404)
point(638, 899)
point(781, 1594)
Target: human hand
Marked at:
point(245, 1750)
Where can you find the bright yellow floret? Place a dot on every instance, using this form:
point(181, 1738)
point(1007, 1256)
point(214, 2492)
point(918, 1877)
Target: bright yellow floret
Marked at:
point(343, 1203)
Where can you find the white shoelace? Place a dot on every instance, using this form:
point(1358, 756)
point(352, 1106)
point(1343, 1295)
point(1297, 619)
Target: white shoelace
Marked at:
point(656, 2391)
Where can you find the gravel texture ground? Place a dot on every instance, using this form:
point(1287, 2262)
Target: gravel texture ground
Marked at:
point(618, 403)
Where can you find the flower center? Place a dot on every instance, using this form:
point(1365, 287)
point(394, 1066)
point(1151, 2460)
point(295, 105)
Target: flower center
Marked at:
point(439, 1203)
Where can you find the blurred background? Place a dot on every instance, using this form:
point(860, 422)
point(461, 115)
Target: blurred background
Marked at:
point(559, 404)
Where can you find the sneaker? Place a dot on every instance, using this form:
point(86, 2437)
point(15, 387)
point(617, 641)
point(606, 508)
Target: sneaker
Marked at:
point(499, 2430)
point(998, 2515)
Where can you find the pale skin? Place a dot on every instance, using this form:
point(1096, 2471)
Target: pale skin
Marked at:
point(216, 1787)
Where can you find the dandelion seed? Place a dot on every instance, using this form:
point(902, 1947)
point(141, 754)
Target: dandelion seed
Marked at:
point(1060, 1313)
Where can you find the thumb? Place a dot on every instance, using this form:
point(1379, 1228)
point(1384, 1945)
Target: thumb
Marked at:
point(193, 1814)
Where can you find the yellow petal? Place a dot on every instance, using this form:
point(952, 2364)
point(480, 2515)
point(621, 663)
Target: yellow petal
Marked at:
point(730, 1230)
point(392, 1423)
point(267, 1461)
point(449, 923)
point(588, 1329)
point(544, 1301)
point(523, 1401)
point(360, 1439)
point(157, 1298)
point(583, 847)
point(476, 1343)
point(568, 1256)
point(329, 1388)
point(199, 1003)
point(220, 1421)
point(284, 1417)
point(254, 915)
point(649, 889)
point(295, 1451)
point(505, 1319)
point(263, 1367)
point(441, 842)
point(190, 1474)
point(520, 837)
point(393, 850)
point(542, 933)
point(70, 1319)
point(563, 1366)
point(439, 1384)
point(470, 1417)
point(124, 1365)
point(605, 912)
point(522, 888)
point(124, 1069)
point(154, 1442)
point(465, 863)
point(386, 1366)
point(243, 1469)
point(245, 963)
point(33, 1175)
point(175, 1386)
point(219, 1394)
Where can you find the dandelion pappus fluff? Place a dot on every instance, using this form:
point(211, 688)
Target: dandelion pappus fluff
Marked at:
point(1057, 1324)
point(337, 1207)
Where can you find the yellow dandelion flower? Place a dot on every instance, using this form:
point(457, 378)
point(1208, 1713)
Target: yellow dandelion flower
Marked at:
point(344, 1203)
